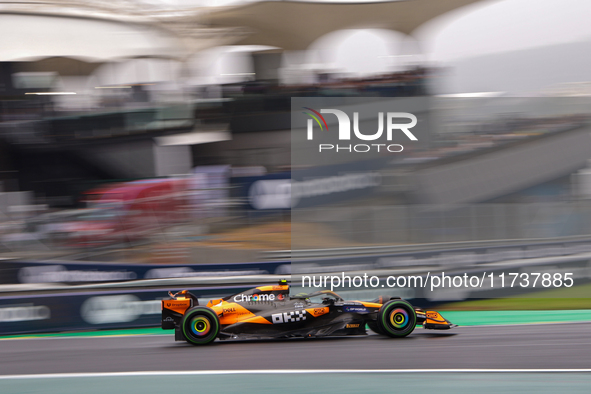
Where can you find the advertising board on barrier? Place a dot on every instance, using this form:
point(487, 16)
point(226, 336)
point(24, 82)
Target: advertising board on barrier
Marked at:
point(89, 311)
point(19, 271)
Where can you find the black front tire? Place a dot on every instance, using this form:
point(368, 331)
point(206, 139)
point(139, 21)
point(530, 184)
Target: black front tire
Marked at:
point(200, 325)
point(397, 318)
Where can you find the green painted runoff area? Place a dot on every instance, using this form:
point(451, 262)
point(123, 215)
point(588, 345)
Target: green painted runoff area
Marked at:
point(461, 318)
point(485, 318)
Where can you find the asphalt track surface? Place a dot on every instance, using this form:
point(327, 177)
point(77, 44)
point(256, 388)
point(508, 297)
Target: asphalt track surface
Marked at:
point(532, 346)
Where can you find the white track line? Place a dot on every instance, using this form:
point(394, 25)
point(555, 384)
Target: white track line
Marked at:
point(285, 372)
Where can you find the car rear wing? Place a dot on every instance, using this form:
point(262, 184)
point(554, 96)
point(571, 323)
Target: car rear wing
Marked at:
point(175, 307)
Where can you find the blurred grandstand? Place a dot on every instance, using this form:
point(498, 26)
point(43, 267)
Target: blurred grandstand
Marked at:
point(80, 113)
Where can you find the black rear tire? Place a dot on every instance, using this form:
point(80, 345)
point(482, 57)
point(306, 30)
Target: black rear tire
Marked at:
point(396, 318)
point(200, 325)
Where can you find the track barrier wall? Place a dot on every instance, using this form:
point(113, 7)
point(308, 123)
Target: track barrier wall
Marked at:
point(92, 308)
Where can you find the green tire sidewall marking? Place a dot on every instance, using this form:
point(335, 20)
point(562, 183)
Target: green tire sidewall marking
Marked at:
point(407, 306)
point(213, 320)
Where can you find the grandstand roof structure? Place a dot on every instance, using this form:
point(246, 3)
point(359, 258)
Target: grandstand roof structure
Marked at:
point(104, 31)
point(294, 25)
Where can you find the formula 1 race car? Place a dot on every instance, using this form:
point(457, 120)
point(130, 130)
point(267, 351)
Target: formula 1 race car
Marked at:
point(270, 312)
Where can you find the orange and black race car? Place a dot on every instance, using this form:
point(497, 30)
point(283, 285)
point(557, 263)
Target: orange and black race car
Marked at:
point(270, 312)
